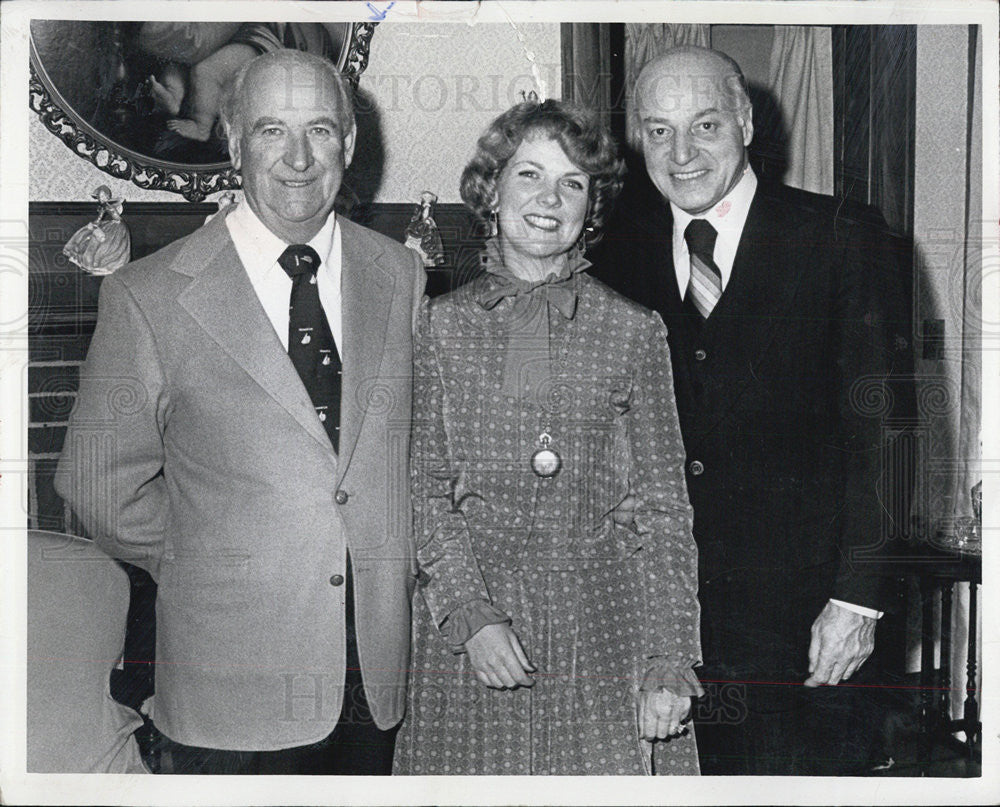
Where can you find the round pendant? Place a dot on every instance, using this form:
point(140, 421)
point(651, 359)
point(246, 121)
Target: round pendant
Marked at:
point(546, 462)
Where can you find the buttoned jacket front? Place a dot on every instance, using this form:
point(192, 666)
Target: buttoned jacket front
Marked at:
point(195, 452)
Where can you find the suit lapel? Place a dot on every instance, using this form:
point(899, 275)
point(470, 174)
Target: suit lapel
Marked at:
point(366, 298)
point(221, 299)
point(669, 301)
point(669, 304)
point(758, 299)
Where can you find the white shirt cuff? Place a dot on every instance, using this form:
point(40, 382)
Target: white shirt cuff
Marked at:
point(858, 609)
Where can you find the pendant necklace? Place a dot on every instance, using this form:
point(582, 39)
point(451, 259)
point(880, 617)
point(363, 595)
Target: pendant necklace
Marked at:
point(545, 462)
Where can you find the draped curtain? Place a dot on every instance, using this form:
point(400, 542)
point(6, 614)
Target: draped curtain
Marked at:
point(800, 77)
point(970, 414)
point(588, 76)
point(949, 241)
point(970, 367)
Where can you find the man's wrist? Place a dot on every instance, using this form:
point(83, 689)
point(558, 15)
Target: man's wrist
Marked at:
point(858, 609)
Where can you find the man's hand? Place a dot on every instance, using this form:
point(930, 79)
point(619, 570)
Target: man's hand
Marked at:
point(496, 655)
point(661, 713)
point(841, 642)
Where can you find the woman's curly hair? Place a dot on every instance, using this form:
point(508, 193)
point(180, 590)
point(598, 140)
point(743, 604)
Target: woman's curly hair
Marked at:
point(587, 143)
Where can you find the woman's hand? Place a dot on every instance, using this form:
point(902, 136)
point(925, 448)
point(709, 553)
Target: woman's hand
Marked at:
point(661, 714)
point(496, 655)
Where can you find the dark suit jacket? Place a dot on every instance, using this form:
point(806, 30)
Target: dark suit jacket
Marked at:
point(782, 397)
point(195, 452)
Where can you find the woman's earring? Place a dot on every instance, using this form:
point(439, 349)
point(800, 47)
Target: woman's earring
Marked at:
point(494, 224)
point(581, 242)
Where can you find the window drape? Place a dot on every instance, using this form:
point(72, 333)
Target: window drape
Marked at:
point(950, 236)
point(588, 76)
point(801, 80)
point(970, 369)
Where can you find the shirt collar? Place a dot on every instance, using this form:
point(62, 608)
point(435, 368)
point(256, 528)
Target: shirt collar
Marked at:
point(729, 214)
point(260, 248)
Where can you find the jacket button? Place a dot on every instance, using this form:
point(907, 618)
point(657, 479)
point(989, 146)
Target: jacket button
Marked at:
point(696, 468)
point(700, 355)
point(341, 497)
point(337, 580)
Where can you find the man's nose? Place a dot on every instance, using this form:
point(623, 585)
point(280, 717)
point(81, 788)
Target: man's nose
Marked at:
point(298, 153)
point(683, 150)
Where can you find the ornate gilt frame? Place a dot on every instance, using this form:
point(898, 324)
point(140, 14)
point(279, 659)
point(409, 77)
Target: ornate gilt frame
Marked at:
point(193, 182)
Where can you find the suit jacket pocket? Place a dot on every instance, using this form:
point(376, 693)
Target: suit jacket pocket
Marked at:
point(206, 578)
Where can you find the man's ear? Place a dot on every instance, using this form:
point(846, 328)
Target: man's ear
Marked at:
point(745, 119)
point(234, 146)
point(349, 139)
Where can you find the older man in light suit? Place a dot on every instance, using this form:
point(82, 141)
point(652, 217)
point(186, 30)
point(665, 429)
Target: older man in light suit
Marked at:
point(217, 444)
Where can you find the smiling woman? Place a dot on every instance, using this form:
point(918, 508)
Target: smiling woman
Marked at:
point(523, 567)
point(140, 100)
point(542, 202)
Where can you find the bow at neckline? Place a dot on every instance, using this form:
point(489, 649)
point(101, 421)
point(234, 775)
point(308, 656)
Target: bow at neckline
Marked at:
point(527, 363)
point(557, 289)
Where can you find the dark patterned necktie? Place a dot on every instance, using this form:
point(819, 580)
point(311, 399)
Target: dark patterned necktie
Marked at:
point(310, 342)
point(705, 284)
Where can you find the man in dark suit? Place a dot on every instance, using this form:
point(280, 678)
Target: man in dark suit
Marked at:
point(241, 434)
point(784, 327)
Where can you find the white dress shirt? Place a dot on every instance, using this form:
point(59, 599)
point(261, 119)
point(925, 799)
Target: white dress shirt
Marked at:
point(728, 218)
point(259, 250)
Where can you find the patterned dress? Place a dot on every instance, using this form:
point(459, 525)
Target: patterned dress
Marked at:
point(599, 609)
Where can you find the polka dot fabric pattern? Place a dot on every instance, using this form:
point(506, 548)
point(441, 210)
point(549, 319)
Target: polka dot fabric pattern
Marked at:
point(594, 605)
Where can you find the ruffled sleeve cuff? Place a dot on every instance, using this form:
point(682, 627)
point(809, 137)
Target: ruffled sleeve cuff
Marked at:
point(663, 673)
point(466, 620)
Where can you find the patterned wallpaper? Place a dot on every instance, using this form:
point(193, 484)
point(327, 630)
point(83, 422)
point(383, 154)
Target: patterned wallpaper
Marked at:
point(56, 174)
point(437, 86)
point(427, 93)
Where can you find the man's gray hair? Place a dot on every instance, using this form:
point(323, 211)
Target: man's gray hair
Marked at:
point(234, 100)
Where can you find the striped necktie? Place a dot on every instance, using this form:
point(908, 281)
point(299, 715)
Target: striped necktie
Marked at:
point(705, 284)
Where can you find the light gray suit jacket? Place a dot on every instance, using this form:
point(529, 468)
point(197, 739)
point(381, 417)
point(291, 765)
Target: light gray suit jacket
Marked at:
point(195, 452)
